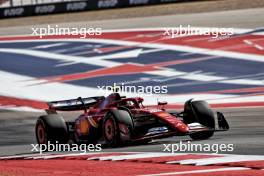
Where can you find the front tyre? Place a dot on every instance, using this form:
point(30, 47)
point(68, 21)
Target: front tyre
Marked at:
point(199, 111)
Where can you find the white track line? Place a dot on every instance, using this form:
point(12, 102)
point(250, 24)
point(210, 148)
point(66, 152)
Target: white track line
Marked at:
point(200, 171)
point(49, 45)
point(22, 156)
point(135, 156)
point(218, 160)
point(258, 47)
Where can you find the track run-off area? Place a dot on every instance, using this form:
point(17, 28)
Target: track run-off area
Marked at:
point(227, 70)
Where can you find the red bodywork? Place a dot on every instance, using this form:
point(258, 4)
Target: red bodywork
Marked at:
point(98, 111)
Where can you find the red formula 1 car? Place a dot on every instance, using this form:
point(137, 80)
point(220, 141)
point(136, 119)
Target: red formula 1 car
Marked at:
point(116, 120)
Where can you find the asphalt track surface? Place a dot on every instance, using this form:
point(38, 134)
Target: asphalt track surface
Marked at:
point(246, 133)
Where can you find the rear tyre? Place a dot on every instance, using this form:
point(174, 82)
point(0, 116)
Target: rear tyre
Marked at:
point(51, 128)
point(111, 130)
point(202, 113)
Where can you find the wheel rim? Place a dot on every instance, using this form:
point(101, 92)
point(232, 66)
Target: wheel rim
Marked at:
point(41, 133)
point(109, 129)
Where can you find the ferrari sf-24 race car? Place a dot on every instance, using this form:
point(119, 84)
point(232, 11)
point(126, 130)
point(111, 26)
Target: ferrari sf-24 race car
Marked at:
point(116, 120)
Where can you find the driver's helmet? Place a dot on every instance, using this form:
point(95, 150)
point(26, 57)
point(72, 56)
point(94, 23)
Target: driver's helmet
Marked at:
point(112, 98)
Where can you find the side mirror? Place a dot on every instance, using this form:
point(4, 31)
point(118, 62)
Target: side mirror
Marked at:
point(162, 103)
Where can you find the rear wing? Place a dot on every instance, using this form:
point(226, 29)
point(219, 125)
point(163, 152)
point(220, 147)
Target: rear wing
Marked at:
point(73, 104)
